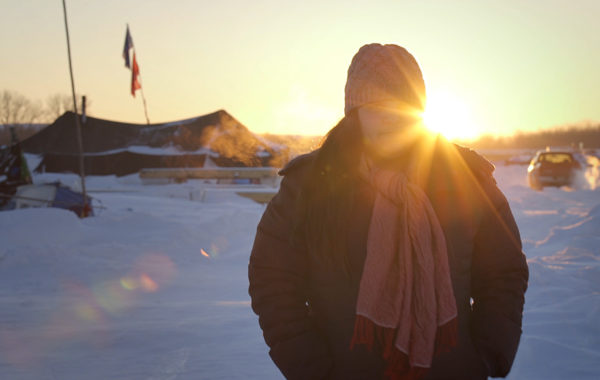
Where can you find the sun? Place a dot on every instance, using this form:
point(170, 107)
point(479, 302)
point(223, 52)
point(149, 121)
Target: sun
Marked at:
point(448, 114)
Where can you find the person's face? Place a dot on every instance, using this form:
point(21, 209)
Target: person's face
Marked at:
point(388, 127)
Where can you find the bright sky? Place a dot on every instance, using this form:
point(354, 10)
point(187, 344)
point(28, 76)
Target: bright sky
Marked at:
point(280, 66)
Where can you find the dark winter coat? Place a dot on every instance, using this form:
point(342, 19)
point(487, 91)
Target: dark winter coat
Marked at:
point(306, 308)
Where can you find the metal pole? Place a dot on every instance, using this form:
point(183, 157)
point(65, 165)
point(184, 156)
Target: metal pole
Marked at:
point(77, 123)
point(142, 92)
point(145, 107)
point(83, 112)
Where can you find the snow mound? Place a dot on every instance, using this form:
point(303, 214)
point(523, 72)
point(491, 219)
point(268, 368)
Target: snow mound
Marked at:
point(26, 227)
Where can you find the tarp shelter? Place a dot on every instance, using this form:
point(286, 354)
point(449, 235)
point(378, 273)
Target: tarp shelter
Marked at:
point(52, 195)
point(122, 148)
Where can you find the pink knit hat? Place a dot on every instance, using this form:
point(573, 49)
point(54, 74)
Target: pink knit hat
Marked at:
point(384, 72)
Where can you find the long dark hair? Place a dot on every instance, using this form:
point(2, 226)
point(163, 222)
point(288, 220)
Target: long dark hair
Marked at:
point(326, 196)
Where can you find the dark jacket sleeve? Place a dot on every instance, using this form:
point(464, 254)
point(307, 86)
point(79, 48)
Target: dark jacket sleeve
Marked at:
point(277, 274)
point(498, 283)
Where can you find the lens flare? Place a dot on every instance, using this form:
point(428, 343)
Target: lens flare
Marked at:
point(84, 304)
point(87, 312)
point(155, 266)
point(128, 283)
point(113, 297)
point(82, 312)
point(18, 348)
point(148, 284)
point(218, 246)
point(203, 252)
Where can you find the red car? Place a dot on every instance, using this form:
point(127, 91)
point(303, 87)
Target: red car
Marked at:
point(552, 169)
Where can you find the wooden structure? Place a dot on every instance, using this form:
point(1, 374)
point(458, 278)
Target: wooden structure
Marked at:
point(263, 181)
point(263, 175)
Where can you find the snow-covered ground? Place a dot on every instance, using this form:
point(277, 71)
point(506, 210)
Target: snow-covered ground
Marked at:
point(155, 285)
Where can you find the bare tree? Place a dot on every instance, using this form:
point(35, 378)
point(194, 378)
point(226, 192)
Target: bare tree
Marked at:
point(57, 104)
point(17, 109)
point(25, 117)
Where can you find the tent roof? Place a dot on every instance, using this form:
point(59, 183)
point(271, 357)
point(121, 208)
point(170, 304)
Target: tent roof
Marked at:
point(101, 135)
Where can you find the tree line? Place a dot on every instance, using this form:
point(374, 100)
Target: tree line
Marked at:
point(565, 136)
point(586, 135)
point(27, 116)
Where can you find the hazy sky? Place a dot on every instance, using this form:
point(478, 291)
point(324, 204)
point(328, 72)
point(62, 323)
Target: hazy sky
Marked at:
point(280, 66)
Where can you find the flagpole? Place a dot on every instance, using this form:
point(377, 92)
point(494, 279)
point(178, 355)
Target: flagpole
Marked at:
point(77, 124)
point(139, 76)
point(145, 107)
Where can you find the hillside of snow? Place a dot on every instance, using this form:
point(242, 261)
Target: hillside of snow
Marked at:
point(155, 285)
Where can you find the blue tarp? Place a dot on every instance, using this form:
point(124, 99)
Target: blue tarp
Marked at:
point(71, 200)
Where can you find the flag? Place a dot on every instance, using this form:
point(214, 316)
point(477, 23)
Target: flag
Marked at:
point(128, 46)
point(135, 72)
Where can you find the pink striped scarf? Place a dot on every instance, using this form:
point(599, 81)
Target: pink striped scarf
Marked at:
point(405, 298)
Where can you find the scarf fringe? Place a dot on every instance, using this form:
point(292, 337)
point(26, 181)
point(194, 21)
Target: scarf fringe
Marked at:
point(446, 337)
point(398, 366)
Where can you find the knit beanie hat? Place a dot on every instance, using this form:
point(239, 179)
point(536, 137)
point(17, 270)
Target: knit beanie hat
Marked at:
point(384, 72)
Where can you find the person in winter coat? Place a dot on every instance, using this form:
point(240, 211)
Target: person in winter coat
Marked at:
point(388, 252)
